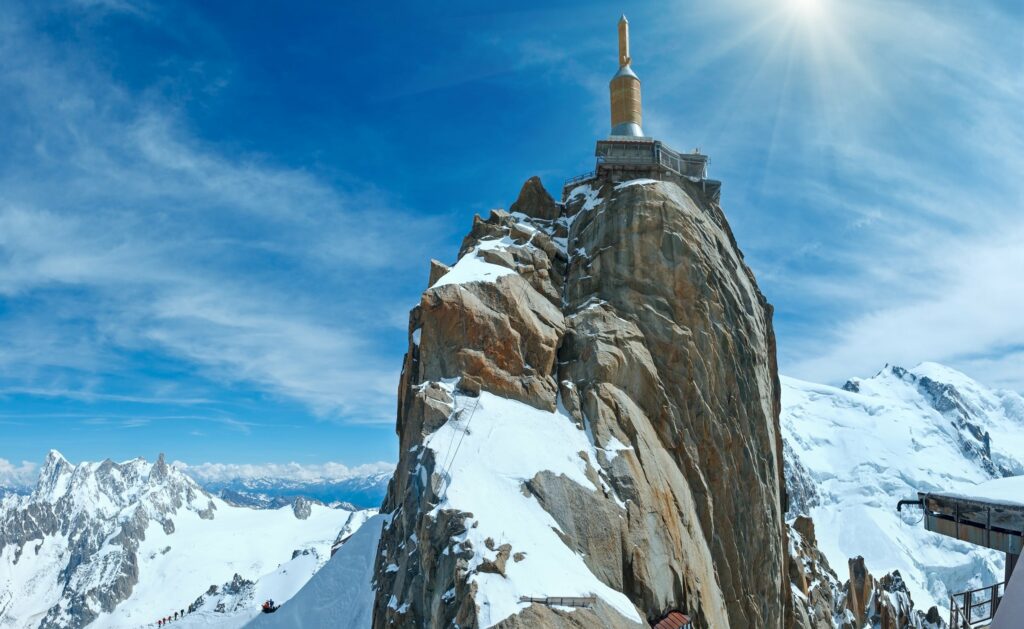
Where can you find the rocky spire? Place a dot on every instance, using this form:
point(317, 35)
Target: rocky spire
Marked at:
point(160, 470)
point(53, 475)
point(630, 326)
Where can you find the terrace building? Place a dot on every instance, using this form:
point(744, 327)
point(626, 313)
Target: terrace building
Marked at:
point(990, 515)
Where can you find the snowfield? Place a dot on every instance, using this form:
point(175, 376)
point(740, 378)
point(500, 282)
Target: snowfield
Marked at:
point(340, 595)
point(886, 438)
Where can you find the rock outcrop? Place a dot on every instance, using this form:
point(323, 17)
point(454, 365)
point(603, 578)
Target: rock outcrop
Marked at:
point(822, 602)
point(883, 603)
point(816, 588)
point(623, 329)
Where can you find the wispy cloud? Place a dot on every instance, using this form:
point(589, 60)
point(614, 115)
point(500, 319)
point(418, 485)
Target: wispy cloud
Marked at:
point(121, 233)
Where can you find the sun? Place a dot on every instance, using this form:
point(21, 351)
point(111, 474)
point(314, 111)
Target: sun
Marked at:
point(805, 9)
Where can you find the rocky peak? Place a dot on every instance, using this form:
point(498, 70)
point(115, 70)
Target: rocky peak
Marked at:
point(883, 603)
point(535, 202)
point(54, 476)
point(613, 363)
point(54, 457)
point(302, 508)
point(160, 470)
point(103, 509)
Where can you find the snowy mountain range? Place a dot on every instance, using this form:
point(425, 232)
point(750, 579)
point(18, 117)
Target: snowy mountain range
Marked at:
point(263, 486)
point(853, 452)
point(123, 544)
point(359, 492)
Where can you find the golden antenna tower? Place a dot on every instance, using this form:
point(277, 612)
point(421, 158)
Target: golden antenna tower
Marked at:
point(625, 90)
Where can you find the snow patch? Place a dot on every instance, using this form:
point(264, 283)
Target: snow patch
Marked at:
point(473, 268)
point(508, 443)
point(614, 446)
point(635, 182)
point(590, 195)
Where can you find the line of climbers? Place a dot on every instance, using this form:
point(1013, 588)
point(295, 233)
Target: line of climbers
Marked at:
point(268, 607)
point(168, 619)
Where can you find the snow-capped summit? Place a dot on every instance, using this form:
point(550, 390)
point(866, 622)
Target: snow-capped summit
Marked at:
point(987, 424)
point(107, 488)
point(53, 476)
point(122, 544)
point(853, 452)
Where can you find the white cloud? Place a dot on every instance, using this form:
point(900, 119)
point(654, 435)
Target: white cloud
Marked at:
point(120, 232)
point(222, 472)
point(17, 476)
point(972, 310)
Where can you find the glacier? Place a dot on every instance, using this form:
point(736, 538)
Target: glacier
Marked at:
point(853, 452)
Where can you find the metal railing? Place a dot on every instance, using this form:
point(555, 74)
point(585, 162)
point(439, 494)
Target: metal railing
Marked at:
point(693, 166)
point(579, 179)
point(967, 609)
point(561, 601)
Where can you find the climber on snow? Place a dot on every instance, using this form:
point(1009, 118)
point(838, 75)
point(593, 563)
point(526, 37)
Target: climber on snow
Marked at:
point(269, 607)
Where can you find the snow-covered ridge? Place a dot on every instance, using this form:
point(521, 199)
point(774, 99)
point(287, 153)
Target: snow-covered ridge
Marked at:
point(852, 453)
point(122, 544)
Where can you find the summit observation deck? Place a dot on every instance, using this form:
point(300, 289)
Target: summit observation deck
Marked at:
point(621, 158)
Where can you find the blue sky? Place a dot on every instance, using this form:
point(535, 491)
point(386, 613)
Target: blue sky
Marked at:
point(214, 217)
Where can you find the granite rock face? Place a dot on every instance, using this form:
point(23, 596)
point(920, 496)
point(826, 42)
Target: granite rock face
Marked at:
point(629, 312)
point(302, 508)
